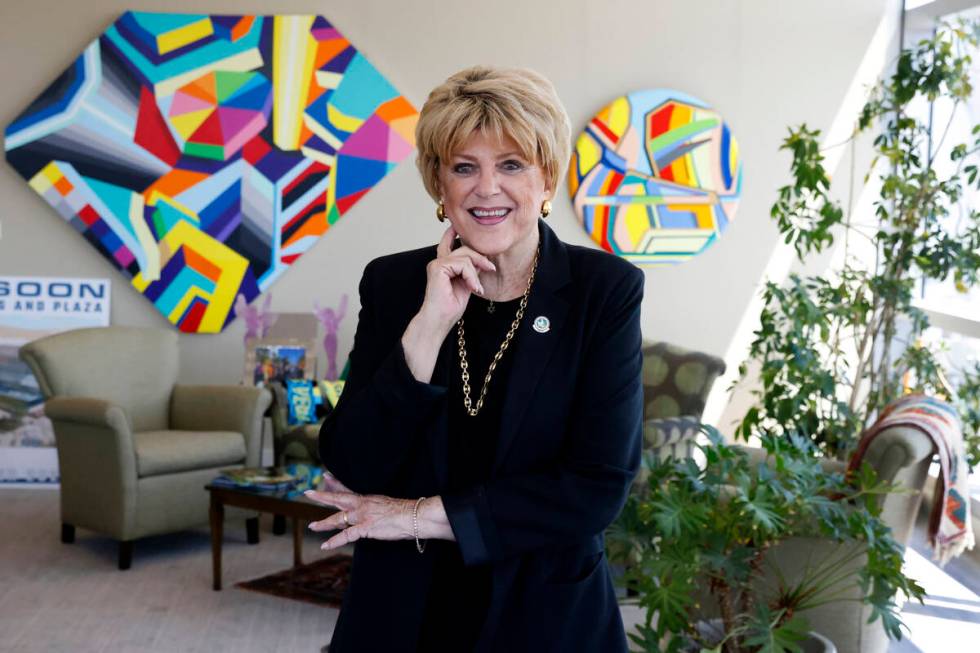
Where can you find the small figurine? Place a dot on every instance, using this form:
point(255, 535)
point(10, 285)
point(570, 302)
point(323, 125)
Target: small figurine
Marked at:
point(257, 322)
point(330, 320)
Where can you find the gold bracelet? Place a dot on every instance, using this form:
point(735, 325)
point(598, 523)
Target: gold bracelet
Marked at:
point(415, 525)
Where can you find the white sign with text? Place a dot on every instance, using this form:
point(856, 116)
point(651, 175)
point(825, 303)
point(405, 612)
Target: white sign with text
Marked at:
point(30, 308)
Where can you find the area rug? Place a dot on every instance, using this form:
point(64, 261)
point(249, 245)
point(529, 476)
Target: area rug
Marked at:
point(322, 582)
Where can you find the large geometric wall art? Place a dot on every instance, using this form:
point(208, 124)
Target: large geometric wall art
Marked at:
point(655, 177)
point(202, 155)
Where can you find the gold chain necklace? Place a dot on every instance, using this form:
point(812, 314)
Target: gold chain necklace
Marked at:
point(464, 366)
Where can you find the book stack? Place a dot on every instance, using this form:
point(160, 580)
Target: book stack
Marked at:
point(263, 479)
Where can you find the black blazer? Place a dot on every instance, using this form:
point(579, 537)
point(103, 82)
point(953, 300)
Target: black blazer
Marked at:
point(569, 448)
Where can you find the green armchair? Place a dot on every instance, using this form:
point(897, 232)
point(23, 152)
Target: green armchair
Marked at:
point(135, 449)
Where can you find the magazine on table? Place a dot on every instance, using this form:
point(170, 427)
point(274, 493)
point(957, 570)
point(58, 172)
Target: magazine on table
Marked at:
point(257, 478)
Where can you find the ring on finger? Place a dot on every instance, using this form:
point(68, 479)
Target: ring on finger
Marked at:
point(346, 520)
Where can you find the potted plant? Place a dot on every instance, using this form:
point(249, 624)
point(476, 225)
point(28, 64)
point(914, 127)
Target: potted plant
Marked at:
point(698, 538)
point(832, 350)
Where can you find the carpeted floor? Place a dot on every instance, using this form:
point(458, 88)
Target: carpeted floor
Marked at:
point(71, 597)
point(57, 597)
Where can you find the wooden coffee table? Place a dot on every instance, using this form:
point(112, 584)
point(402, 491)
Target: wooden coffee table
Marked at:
point(286, 503)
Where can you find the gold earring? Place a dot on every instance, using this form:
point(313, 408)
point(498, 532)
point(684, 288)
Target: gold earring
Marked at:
point(441, 212)
point(545, 208)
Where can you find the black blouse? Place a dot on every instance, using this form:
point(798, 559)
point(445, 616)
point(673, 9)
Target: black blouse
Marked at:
point(459, 595)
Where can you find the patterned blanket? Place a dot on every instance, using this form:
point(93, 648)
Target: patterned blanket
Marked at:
point(950, 530)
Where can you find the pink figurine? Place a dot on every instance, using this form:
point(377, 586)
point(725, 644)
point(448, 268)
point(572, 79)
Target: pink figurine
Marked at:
point(330, 320)
point(257, 322)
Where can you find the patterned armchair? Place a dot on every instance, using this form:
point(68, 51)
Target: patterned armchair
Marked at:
point(676, 383)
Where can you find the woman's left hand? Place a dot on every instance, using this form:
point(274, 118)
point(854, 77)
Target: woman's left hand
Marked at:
point(372, 516)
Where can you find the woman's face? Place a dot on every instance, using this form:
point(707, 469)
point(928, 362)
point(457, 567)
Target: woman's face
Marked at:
point(492, 194)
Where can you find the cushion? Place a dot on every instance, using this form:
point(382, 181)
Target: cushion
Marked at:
point(168, 452)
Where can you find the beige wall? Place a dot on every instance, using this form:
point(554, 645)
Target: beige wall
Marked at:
point(763, 63)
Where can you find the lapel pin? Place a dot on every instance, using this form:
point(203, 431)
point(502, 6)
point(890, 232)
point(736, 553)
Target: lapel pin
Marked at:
point(541, 324)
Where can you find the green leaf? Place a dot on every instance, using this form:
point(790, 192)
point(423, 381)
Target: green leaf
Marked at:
point(764, 514)
point(770, 633)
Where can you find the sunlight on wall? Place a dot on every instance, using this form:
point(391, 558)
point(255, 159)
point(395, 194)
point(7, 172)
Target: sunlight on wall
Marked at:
point(878, 55)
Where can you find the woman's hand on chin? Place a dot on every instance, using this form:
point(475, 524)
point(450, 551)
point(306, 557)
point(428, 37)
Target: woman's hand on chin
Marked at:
point(451, 278)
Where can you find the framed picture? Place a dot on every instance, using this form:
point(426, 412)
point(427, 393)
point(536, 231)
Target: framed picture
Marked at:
point(278, 359)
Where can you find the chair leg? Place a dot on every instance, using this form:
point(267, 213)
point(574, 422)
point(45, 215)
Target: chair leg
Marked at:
point(125, 555)
point(252, 530)
point(278, 524)
point(67, 533)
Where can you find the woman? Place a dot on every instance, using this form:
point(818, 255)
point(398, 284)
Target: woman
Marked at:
point(490, 425)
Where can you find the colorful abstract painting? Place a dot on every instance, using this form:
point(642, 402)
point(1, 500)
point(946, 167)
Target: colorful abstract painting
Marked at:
point(202, 155)
point(655, 177)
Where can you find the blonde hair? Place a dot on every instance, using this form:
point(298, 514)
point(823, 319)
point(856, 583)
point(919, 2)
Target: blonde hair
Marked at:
point(501, 102)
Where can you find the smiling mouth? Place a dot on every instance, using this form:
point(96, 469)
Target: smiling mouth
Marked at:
point(489, 216)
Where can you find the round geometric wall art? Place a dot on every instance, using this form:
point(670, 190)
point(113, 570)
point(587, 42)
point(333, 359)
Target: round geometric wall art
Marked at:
point(655, 177)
